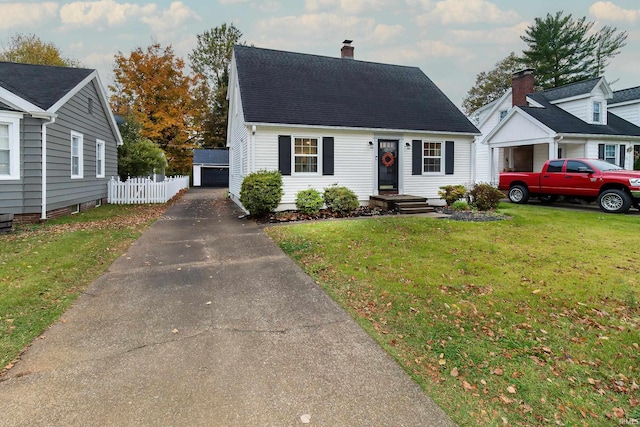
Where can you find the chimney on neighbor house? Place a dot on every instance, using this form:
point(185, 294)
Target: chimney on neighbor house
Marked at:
point(522, 83)
point(347, 50)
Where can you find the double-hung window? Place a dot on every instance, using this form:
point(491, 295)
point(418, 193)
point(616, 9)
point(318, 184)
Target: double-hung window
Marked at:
point(305, 155)
point(610, 153)
point(9, 148)
point(99, 158)
point(432, 157)
point(76, 155)
point(597, 112)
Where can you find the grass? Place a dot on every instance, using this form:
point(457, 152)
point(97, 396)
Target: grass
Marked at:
point(43, 268)
point(531, 321)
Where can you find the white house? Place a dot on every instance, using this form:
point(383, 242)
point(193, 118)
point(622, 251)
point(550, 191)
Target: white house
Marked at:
point(374, 128)
point(523, 129)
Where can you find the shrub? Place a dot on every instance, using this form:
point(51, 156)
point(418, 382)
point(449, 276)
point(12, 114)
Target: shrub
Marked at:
point(460, 205)
point(261, 191)
point(340, 199)
point(309, 201)
point(452, 193)
point(485, 197)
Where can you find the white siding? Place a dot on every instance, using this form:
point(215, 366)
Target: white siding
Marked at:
point(237, 140)
point(483, 152)
point(353, 161)
point(581, 108)
point(428, 185)
point(540, 156)
point(630, 112)
point(522, 130)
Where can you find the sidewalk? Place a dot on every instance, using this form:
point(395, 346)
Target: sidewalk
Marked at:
point(205, 321)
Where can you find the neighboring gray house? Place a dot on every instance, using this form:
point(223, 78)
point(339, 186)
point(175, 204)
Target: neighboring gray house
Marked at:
point(374, 128)
point(211, 167)
point(523, 129)
point(58, 141)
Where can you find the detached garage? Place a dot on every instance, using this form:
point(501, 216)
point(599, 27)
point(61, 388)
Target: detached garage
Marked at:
point(211, 168)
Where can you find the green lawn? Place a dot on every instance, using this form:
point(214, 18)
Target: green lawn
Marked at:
point(43, 268)
point(529, 321)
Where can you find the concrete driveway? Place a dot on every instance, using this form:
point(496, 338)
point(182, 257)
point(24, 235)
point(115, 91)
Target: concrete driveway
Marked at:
point(205, 321)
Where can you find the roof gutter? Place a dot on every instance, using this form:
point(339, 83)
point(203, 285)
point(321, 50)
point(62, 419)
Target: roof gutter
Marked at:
point(50, 119)
point(598, 136)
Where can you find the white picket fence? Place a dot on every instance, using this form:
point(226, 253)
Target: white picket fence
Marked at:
point(143, 190)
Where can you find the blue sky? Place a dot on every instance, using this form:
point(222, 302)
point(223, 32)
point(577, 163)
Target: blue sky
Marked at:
point(450, 40)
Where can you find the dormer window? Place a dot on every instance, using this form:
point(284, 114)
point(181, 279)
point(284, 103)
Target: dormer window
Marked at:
point(597, 112)
point(503, 114)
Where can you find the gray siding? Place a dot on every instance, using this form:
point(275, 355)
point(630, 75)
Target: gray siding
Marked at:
point(62, 191)
point(25, 196)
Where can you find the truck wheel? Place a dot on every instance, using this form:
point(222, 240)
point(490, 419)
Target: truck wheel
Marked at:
point(519, 194)
point(614, 201)
point(547, 200)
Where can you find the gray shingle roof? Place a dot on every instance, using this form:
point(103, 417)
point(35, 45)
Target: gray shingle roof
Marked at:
point(561, 121)
point(624, 95)
point(41, 85)
point(211, 157)
point(294, 88)
point(583, 87)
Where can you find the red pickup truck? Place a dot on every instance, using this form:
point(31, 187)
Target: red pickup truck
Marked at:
point(615, 189)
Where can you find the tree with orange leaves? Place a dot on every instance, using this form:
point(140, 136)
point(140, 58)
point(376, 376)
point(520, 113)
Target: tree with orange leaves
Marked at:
point(152, 89)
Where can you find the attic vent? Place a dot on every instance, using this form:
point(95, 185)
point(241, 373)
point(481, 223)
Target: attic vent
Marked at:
point(90, 106)
point(347, 50)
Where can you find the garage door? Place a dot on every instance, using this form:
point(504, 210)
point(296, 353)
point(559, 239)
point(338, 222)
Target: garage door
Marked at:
point(214, 177)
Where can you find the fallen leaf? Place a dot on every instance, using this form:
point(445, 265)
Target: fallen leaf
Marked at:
point(442, 362)
point(208, 303)
point(466, 385)
point(591, 381)
point(498, 371)
point(619, 412)
point(305, 419)
point(536, 291)
point(175, 331)
point(454, 372)
point(505, 399)
point(511, 389)
point(546, 350)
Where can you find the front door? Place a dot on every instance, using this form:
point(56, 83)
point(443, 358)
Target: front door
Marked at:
point(388, 166)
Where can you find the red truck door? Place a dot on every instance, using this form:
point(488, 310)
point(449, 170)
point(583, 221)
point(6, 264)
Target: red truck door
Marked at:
point(552, 179)
point(579, 179)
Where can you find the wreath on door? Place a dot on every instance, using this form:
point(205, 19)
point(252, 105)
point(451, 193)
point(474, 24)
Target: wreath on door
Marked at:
point(388, 159)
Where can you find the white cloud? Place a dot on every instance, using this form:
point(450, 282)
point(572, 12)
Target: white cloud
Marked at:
point(172, 18)
point(385, 33)
point(466, 12)
point(607, 11)
point(503, 36)
point(102, 14)
point(438, 48)
point(345, 6)
point(289, 31)
point(16, 15)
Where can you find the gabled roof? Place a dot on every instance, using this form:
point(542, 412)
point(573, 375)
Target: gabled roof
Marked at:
point(41, 85)
point(626, 95)
point(280, 87)
point(563, 122)
point(211, 156)
point(571, 90)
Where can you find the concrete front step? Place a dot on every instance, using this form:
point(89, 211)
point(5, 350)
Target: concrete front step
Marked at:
point(404, 204)
point(415, 210)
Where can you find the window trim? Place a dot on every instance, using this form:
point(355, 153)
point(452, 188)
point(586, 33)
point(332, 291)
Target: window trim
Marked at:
point(13, 131)
point(599, 111)
point(80, 155)
point(100, 153)
point(318, 155)
point(442, 159)
point(616, 153)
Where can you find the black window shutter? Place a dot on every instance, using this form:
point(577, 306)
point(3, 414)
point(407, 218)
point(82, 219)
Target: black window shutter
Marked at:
point(416, 157)
point(601, 151)
point(284, 154)
point(449, 157)
point(327, 155)
point(623, 150)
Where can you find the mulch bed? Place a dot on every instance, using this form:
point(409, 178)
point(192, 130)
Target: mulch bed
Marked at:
point(368, 211)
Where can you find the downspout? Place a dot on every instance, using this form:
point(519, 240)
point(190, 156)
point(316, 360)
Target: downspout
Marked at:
point(50, 120)
point(555, 146)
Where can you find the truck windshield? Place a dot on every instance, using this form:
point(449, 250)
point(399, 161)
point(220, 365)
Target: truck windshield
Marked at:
point(605, 166)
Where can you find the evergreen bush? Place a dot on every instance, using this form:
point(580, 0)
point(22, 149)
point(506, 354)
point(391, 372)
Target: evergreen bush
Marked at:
point(261, 192)
point(484, 197)
point(340, 199)
point(309, 201)
point(452, 193)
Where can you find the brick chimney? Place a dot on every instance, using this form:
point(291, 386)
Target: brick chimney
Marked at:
point(522, 83)
point(347, 50)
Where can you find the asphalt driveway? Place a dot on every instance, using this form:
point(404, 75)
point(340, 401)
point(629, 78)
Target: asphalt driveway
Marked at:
point(205, 321)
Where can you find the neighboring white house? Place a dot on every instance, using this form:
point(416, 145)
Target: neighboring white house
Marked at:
point(523, 129)
point(374, 128)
